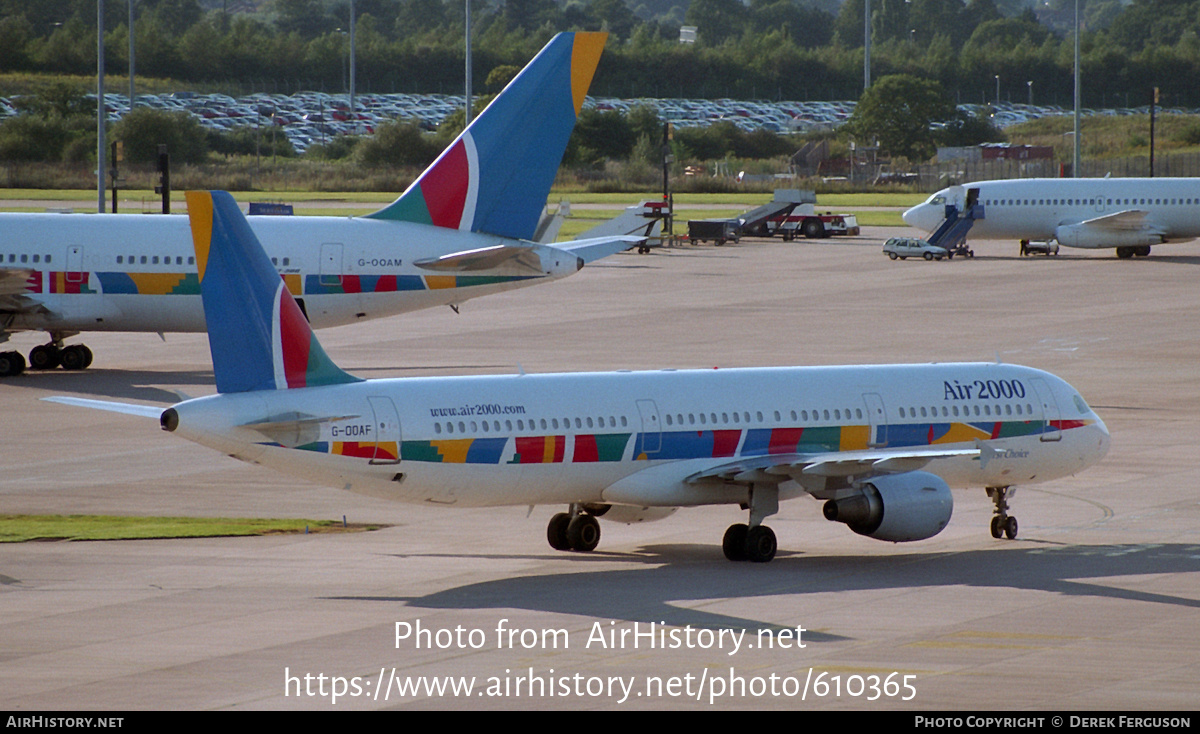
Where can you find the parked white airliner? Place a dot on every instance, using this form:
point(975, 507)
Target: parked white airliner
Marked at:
point(881, 445)
point(1130, 214)
point(463, 229)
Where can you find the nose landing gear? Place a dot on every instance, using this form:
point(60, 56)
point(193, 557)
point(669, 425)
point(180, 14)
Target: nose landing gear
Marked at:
point(1003, 524)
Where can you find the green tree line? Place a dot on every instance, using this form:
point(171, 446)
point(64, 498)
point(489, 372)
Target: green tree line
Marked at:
point(780, 49)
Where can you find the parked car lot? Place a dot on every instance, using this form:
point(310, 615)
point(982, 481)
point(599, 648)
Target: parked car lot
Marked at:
point(316, 117)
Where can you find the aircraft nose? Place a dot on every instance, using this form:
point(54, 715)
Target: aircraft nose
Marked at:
point(1101, 440)
point(917, 216)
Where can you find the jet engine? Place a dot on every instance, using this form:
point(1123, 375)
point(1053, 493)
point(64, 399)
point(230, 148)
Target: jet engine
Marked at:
point(897, 507)
point(1084, 235)
point(630, 514)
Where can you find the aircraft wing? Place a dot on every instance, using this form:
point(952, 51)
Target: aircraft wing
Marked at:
point(1130, 220)
point(13, 285)
point(779, 467)
point(594, 248)
point(14, 282)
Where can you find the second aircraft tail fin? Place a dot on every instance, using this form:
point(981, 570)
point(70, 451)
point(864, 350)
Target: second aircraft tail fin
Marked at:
point(495, 177)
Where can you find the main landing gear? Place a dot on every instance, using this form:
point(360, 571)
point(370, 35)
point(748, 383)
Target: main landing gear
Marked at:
point(575, 530)
point(755, 541)
point(1003, 524)
point(11, 364)
point(55, 354)
point(47, 356)
point(1127, 252)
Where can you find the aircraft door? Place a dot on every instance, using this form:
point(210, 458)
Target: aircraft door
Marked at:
point(75, 272)
point(1049, 407)
point(877, 419)
point(331, 264)
point(650, 439)
point(972, 198)
point(386, 429)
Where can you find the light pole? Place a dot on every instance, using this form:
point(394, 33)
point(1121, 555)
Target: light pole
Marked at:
point(1075, 160)
point(101, 113)
point(353, 117)
point(997, 89)
point(1030, 85)
point(131, 94)
point(468, 55)
point(866, 45)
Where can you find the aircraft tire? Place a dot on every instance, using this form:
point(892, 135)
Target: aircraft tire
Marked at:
point(1142, 251)
point(87, 353)
point(44, 357)
point(997, 526)
point(1124, 252)
point(1010, 528)
point(734, 543)
point(73, 357)
point(556, 532)
point(11, 364)
point(760, 544)
point(583, 532)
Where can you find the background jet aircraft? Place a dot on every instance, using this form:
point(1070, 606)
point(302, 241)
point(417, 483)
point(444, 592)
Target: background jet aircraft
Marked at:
point(881, 445)
point(1130, 214)
point(463, 229)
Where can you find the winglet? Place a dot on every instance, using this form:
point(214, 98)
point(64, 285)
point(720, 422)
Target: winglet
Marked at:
point(495, 177)
point(258, 336)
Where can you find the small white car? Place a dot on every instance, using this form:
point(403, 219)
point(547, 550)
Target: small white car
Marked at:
point(905, 247)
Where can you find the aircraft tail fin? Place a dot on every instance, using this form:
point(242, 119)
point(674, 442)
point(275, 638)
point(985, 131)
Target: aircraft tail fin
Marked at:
point(257, 334)
point(496, 176)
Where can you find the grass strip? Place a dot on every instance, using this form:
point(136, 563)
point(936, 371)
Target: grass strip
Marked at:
point(22, 528)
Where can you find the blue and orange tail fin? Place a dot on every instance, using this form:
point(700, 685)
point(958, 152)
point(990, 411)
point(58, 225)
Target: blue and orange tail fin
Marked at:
point(257, 334)
point(496, 176)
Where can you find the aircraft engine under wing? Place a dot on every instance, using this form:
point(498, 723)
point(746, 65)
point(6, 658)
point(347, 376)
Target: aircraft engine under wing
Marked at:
point(1120, 229)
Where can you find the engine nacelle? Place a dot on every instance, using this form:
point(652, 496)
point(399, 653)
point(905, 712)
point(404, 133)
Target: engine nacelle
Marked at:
point(1083, 235)
point(898, 507)
point(630, 514)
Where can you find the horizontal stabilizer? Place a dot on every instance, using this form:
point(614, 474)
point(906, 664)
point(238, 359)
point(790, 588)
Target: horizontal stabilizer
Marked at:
point(517, 258)
point(295, 429)
point(594, 248)
point(145, 411)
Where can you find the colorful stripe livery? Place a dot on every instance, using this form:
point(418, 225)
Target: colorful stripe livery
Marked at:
point(58, 282)
point(496, 176)
point(258, 336)
point(333, 285)
point(679, 445)
point(539, 449)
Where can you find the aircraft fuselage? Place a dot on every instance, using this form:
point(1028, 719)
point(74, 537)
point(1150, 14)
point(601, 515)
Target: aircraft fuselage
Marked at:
point(563, 438)
point(131, 272)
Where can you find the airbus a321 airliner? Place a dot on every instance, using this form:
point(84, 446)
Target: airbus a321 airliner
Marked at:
point(463, 229)
point(881, 445)
point(1130, 214)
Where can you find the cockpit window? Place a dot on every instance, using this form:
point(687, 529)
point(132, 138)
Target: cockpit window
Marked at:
point(1082, 406)
point(937, 199)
